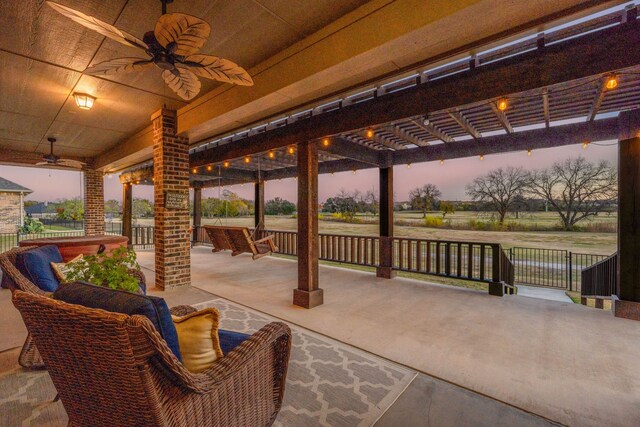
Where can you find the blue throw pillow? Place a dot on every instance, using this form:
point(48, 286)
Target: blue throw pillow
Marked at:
point(153, 308)
point(230, 340)
point(35, 265)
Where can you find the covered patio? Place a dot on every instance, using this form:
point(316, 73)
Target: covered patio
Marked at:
point(331, 95)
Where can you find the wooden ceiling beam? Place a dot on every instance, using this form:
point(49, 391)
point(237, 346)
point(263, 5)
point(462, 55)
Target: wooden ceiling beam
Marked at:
point(351, 150)
point(614, 48)
point(556, 136)
point(332, 166)
point(502, 118)
point(434, 130)
point(464, 123)
point(403, 134)
point(386, 142)
point(137, 175)
point(598, 98)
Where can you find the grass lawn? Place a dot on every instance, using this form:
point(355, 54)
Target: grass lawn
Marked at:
point(584, 242)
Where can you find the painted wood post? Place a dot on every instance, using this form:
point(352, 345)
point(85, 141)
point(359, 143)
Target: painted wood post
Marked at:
point(197, 212)
point(127, 205)
point(627, 301)
point(308, 294)
point(258, 207)
point(385, 267)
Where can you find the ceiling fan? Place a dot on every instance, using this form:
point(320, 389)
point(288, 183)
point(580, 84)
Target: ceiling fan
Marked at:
point(172, 47)
point(53, 160)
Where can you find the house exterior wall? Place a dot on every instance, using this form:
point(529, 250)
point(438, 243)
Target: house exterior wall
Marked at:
point(10, 209)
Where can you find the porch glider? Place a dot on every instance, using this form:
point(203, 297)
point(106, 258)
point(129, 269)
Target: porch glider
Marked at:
point(239, 240)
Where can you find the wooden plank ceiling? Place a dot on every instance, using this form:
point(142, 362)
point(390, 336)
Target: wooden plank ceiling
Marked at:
point(43, 54)
point(563, 109)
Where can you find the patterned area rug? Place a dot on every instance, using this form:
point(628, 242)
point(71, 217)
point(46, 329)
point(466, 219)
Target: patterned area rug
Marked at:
point(328, 383)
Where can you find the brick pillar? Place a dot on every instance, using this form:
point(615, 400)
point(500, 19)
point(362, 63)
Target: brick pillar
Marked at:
point(171, 185)
point(93, 202)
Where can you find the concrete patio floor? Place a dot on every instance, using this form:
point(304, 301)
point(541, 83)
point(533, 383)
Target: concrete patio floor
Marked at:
point(566, 362)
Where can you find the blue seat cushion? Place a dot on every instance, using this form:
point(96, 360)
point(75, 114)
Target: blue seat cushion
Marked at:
point(116, 301)
point(230, 340)
point(35, 265)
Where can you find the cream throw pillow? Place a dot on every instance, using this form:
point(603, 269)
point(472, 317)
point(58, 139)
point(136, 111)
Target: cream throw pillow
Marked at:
point(60, 269)
point(198, 339)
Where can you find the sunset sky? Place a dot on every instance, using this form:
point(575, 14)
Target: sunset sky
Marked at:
point(451, 178)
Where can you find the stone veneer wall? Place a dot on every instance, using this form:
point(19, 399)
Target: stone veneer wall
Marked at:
point(171, 175)
point(9, 212)
point(93, 202)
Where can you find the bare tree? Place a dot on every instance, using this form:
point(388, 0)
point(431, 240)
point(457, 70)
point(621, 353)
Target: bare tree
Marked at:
point(575, 188)
point(423, 197)
point(501, 188)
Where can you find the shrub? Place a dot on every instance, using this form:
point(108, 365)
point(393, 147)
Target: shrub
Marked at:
point(31, 225)
point(433, 222)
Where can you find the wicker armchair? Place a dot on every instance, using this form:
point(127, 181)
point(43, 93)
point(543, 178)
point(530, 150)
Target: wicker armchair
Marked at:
point(29, 356)
point(113, 369)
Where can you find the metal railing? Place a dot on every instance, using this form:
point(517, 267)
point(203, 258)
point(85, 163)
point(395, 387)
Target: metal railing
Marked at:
point(601, 279)
point(554, 268)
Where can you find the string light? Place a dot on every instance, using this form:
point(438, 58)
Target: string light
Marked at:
point(585, 144)
point(408, 165)
point(481, 156)
point(209, 168)
point(325, 142)
point(225, 164)
point(194, 170)
point(247, 159)
point(502, 104)
point(369, 133)
point(291, 150)
point(529, 152)
point(137, 182)
point(442, 161)
point(354, 171)
point(612, 82)
point(332, 174)
point(272, 154)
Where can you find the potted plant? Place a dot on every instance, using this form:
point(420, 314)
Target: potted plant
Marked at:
point(111, 269)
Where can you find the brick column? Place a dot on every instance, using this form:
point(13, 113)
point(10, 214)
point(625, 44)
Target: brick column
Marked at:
point(93, 202)
point(171, 185)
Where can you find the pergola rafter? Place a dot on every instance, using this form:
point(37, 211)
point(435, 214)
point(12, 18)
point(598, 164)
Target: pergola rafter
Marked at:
point(461, 120)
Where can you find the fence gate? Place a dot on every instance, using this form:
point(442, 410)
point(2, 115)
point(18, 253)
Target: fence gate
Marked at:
point(541, 267)
point(553, 268)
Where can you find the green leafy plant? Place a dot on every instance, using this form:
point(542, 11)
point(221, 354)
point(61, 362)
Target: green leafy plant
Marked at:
point(31, 225)
point(109, 269)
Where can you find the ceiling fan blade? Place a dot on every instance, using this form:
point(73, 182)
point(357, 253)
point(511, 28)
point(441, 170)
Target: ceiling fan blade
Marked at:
point(99, 26)
point(219, 69)
point(119, 65)
point(182, 81)
point(187, 33)
point(76, 164)
point(41, 163)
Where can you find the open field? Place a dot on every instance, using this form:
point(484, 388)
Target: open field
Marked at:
point(596, 243)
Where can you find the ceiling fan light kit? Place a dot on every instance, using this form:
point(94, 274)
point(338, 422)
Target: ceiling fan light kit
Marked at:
point(172, 46)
